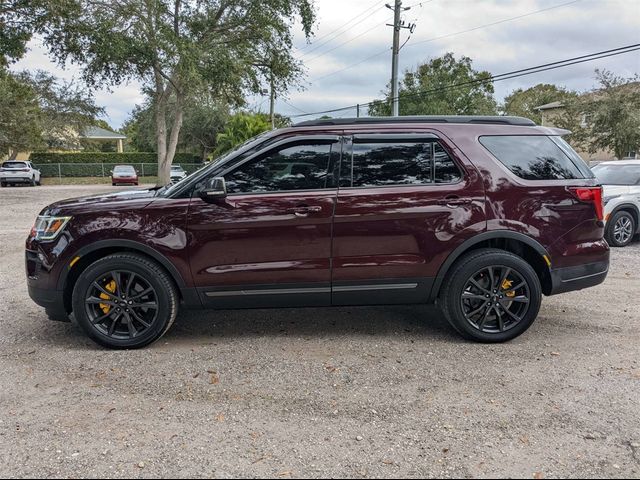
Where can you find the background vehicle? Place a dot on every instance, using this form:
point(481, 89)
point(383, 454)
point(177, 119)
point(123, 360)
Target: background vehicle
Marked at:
point(16, 172)
point(482, 215)
point(177, 173)
point(621, 194)
point(124, 174)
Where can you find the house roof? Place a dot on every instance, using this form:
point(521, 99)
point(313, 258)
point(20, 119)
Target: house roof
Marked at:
point(97, 133)
point(550, 106)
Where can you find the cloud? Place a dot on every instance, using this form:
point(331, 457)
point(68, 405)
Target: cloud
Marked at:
point(350, 31)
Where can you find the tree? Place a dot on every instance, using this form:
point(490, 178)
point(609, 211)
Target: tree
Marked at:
point(37, 111)
point(523, 103)
point(203, 120)
point(612, 114)
point(240, 128)
point(176, 48)
point(429, 90)
point(18, 20)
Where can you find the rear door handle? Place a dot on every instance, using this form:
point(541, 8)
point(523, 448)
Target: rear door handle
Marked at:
point(454, 201)
point(304, 210)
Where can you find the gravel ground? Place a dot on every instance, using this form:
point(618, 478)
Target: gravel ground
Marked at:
point(345, 392)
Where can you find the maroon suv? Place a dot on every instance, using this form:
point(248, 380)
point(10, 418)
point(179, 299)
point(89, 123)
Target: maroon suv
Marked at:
point(482, 215)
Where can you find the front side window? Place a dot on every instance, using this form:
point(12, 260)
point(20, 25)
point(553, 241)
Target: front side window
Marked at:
point(389, 163)
point(293, 167)
point(532, 157)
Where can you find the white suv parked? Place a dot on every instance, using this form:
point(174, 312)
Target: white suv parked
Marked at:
point(13, 172)
point(621, 195)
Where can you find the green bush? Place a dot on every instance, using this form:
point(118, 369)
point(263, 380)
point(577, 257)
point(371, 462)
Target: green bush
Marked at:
point(126, 158)
point(102, 170)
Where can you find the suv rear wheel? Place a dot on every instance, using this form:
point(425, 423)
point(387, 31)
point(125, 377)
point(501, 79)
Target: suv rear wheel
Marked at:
point(491, 296)
point(620, 229)
point(124, 301)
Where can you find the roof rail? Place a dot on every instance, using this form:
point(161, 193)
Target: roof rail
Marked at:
point(495, 120)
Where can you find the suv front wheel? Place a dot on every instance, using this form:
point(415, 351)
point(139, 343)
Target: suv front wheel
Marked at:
point(124, 300)
point(491, 296)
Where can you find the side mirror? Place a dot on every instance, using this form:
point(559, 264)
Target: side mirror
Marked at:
point(214, 189)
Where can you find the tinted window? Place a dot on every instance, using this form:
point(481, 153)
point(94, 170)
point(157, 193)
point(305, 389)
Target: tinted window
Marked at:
point(14, 165)
point(532, 157)
point(446, 171)
point(617, 174)
point(299, 167)
point(400, 163)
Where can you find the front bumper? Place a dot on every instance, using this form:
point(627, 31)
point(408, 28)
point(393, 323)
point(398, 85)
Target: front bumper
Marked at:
point(131, 180)
point(40, 290)
point(578, 277)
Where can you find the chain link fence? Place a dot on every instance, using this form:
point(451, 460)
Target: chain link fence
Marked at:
point(71, 170)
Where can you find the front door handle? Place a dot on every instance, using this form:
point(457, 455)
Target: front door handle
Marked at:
point(454, 201)
point(304, 210)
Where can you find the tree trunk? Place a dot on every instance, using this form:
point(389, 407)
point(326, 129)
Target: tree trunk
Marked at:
point(161, 138)
point(164, 168)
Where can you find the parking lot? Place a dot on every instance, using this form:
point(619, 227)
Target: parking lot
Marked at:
point(346, 392)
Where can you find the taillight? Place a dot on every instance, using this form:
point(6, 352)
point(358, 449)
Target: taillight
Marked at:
point(590, 195)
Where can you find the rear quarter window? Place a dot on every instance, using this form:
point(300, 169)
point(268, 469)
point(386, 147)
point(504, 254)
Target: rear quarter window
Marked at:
point(532, 157)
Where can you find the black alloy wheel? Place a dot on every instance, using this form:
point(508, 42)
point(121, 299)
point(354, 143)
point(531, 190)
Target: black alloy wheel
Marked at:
point(125, 300)
point(491, 295)
point(495, 299)
point(121, 304)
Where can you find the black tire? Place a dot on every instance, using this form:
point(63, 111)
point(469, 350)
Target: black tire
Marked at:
point(33, 181)
point(38, 183)
point(621, 229)
point(3, 184)
point(474, 315)
point(113, 184)
point(117, 332)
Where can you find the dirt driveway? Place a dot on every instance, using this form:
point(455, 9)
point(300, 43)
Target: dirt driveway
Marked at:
point(346, 392)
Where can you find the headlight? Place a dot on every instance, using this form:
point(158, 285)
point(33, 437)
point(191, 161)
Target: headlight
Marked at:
point(48, 228)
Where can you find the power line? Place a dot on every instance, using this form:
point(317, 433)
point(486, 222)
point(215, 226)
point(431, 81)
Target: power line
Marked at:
point(493, 23)
point(386, 50)
point(504, 76)
point(347, 24)
point(344, 43)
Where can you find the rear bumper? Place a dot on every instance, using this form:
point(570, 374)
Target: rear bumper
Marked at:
point(15, 179)
point(578, 277)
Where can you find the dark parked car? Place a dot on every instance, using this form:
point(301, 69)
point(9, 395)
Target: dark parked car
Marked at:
point(482, 215)
point(124, 175)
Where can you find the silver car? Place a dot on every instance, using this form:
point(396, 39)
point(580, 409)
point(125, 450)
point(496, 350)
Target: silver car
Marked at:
point(621, 197)
point(13, 172)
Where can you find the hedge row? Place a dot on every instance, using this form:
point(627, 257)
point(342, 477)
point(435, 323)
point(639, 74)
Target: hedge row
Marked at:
point(107, 157)
point(100, 170)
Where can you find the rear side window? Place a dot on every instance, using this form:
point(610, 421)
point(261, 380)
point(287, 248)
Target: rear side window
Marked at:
point(387, 163)
point(14, 165)
point(532, 157)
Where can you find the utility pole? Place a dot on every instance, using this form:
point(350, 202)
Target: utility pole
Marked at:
point(272, 103)
point(398, 25)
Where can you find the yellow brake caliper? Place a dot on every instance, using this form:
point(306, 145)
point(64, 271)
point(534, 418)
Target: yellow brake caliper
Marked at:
point(506, 285)
point(109, 287)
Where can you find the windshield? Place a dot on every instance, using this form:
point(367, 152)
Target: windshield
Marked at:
point(617, 174)
point(123, 169)
point(235, 153)
point(177, 168)
point(14, 165)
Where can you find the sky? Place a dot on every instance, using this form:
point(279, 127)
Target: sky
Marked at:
point(348, 60)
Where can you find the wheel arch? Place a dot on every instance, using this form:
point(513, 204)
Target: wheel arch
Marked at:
point(517, 243)
point(628, 207)
point(90, 253)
